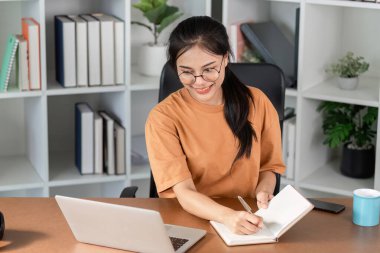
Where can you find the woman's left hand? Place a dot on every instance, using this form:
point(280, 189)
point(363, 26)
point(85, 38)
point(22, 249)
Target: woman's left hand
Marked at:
point(263, 199)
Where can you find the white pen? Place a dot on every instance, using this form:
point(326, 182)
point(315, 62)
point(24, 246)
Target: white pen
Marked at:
point(245, 205)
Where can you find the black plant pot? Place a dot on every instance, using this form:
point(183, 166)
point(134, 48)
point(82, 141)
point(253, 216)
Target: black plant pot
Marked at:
point(358, 163)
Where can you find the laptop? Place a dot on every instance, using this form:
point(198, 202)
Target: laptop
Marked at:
point(124, 227)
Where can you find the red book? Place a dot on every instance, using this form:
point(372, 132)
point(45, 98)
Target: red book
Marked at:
point(31, 32)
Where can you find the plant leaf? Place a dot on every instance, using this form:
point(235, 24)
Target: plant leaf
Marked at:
point(168, 20)
point(155, 15)
point(349, 66)
point(347, 122)
point(370, 117)
point(143, 5)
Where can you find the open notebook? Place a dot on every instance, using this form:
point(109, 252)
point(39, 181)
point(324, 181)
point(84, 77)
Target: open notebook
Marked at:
point(284, 210)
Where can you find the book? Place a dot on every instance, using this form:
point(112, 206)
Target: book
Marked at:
point(273, 46)
point(108, 144)
point(84, 138)
point(291, 149)
point(119, 49)
point(31, 32)
point(107, 49)
point(284, 210)
point(65, 55)
point(287, 141)
point(98, 143)
point(8, 60)
point(120, 148)
point(296, 45)
point(93, 50)
point(237, 41)
point(80, 50)
point(22, 64)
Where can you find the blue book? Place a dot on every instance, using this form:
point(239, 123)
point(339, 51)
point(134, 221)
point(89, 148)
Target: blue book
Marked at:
point(65, 51)
point(8, 60)
point(84, 138)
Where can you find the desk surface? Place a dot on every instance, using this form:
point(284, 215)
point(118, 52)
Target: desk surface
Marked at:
point(37, 225)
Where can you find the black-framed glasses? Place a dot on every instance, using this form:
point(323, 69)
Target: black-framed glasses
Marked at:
point(208, 74)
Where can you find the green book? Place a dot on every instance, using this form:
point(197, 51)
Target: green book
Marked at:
point(8, 59)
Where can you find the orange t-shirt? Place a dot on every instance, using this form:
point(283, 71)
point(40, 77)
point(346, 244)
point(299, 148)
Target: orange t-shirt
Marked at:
point(188, 139)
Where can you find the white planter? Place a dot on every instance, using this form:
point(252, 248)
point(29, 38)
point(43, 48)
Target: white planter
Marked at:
point(348, 83)
point(152, 59)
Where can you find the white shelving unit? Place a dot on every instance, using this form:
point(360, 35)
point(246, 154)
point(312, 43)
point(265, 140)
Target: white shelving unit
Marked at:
point(143, 89)
point(37, 127)
point(328, 29)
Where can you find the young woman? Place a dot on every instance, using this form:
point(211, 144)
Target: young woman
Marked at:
point(215, 137)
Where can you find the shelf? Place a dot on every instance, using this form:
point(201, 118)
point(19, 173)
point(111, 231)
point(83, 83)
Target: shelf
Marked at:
point(17, 1)
point(140, 172)
point(64, 172)
point(20, 94)
point(55, 89)
point(17, 173)
point(285, 181)
point(329, 179)
point(290, 92)
point(287, 1)
point(367, 92)
point(140, 82)
point(345, 3)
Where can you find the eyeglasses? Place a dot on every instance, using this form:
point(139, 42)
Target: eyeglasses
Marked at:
point(209, 75)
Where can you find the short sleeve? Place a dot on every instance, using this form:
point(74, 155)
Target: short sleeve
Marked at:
point(166, 157)
point(271, 148)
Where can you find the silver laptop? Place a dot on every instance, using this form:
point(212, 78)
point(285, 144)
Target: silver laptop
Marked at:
point(124, 227)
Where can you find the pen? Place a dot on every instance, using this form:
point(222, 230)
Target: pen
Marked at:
point(245, 205)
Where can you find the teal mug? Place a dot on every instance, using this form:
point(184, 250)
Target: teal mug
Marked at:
point(366, 207)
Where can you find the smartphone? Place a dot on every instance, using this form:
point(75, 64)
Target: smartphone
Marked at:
point(326, 206)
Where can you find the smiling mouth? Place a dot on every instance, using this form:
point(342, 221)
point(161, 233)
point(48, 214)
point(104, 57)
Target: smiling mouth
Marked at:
point(203, 89)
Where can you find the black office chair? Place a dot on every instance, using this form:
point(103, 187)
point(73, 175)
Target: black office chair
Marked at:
point(267, 77)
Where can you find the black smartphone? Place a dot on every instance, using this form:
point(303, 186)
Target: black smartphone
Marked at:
point(326, 206)
point(2, 225)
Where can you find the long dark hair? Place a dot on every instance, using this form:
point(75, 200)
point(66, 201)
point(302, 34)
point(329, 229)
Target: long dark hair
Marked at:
point(212, 36)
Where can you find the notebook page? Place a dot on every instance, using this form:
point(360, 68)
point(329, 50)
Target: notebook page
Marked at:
point(230, 238)
point(287, 207)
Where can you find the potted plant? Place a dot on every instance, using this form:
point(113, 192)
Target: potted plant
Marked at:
point(153, 54)
point(351, 125)
point(348, 69)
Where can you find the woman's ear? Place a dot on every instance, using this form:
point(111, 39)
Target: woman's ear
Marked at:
point(226, 61)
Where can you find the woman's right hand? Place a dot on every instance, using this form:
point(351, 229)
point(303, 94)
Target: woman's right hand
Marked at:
point(243, 223)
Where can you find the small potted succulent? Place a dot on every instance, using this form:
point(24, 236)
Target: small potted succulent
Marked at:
point(160, 15)
point(352, 126)
point(348, 69)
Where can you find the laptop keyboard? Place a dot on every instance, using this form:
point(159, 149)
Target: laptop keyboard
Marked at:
point(177, 242)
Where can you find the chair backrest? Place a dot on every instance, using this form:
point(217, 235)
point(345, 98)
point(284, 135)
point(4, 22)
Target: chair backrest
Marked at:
point(267, 77)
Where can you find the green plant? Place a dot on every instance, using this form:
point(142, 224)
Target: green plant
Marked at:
point(346, 123)
point(158, 13)
point(349, 66)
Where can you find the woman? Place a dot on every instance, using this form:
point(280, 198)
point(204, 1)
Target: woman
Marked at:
point(215, 137)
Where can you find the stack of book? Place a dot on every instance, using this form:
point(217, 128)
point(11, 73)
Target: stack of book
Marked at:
point(89, 50)
point(21, 63)
point(99, 142)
